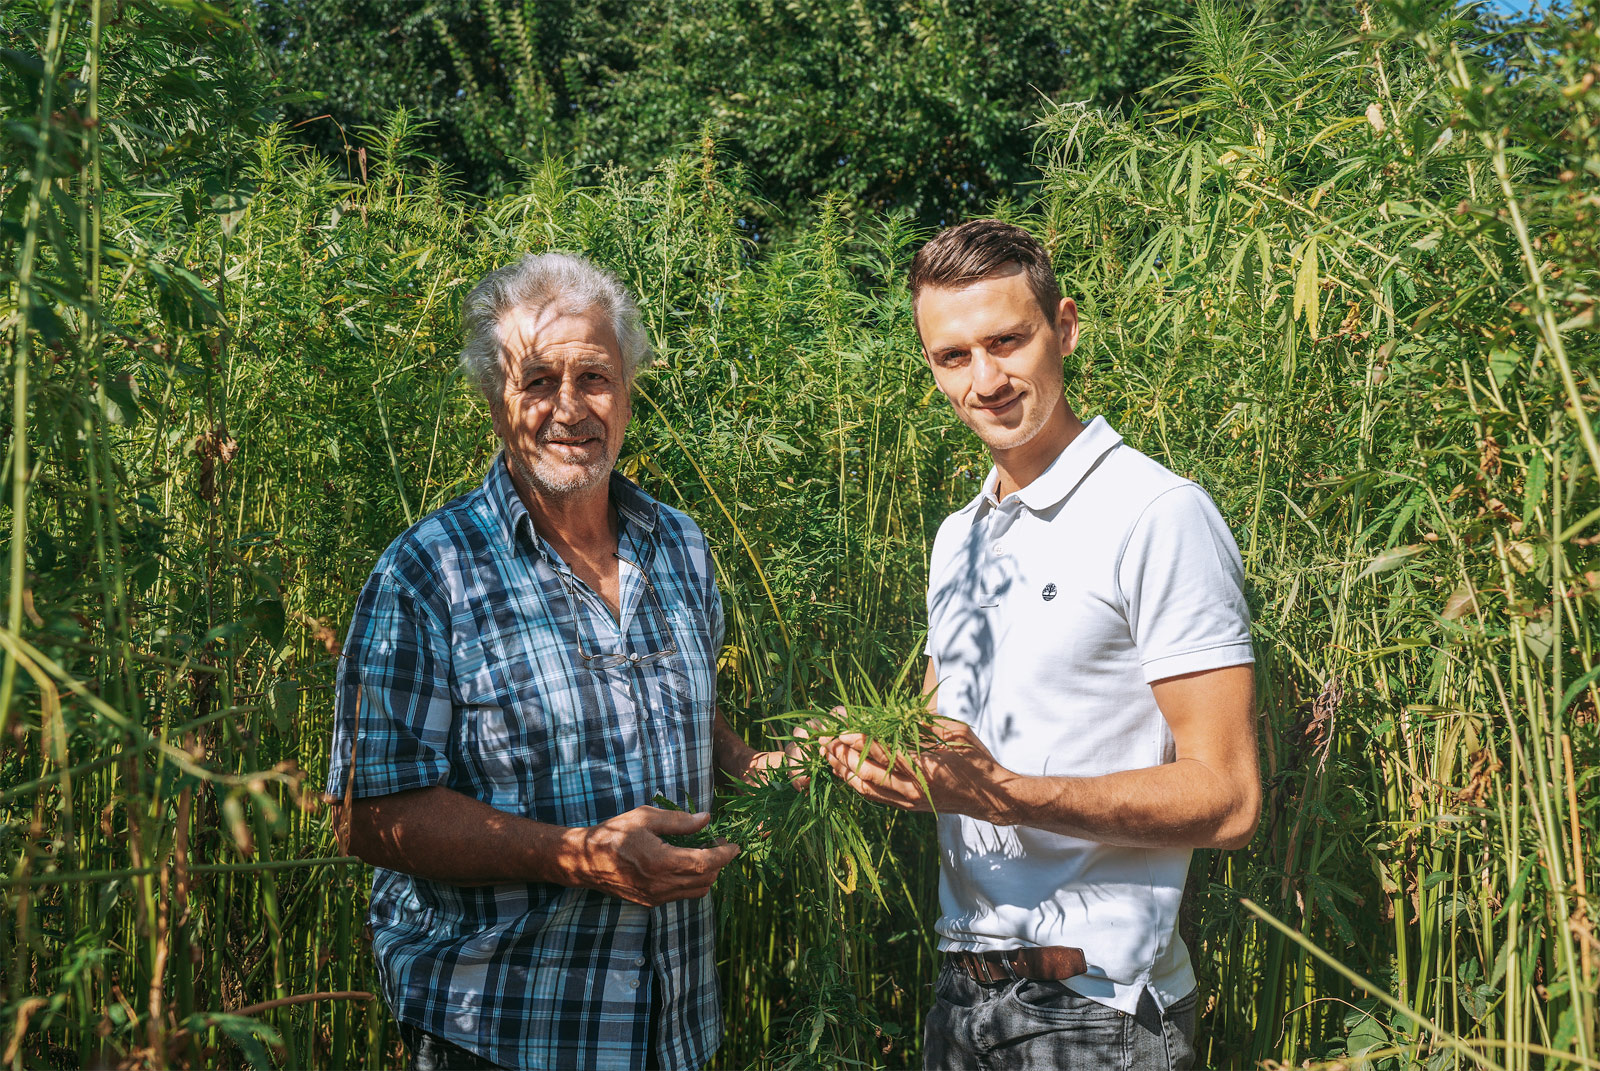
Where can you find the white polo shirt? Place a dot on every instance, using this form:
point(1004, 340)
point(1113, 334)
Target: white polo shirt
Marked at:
point(1049, 615)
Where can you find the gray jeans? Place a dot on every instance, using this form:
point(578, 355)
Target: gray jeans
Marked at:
point(1022, 1025)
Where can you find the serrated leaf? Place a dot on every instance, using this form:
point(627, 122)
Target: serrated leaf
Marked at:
point(1503, 361)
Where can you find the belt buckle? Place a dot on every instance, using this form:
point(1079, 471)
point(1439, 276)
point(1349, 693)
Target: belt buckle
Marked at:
point(987, 967)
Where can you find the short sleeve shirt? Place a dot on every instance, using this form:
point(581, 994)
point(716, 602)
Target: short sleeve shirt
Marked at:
point(462, 669)
point(1049, 615)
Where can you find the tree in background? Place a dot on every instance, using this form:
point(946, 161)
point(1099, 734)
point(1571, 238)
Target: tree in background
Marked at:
point(919, 104)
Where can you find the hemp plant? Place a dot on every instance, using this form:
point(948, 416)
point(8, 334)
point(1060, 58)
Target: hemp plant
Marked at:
point(799, 814)
point(1349, 288)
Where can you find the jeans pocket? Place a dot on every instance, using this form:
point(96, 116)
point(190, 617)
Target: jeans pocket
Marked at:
point(1048, 1025)
point(1055, 1000)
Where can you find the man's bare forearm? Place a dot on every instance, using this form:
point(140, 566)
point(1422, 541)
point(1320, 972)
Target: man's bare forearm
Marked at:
point(729, 752)
point(442, 835)
point(1181, 804)
point(447, 837)
point(1209, 798)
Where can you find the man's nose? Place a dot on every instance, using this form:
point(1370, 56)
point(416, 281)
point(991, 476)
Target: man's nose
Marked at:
point(987, 376)
point(570, 404)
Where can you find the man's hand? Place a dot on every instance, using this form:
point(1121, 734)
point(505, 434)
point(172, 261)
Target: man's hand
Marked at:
point(1208, 797)
point(626, 857)
point(957, 776)
point(741, 762)
point(788, 760)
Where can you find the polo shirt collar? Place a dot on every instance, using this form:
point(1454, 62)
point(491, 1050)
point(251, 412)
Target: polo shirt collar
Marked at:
point(1069, 468)
point(637, 511)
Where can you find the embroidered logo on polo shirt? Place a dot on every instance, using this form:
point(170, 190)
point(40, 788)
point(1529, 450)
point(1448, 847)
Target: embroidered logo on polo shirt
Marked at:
point(1048, 593)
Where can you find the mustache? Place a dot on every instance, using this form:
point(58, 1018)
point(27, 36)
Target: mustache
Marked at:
point(583, 429)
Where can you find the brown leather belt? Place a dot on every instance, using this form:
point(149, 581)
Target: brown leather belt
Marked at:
point(1039, 963)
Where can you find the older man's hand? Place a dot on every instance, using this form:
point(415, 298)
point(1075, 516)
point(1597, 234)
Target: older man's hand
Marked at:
point(626, 857)
point(790, 761)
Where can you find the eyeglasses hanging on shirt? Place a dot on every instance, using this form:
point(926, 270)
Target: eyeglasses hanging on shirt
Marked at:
point(604, 660)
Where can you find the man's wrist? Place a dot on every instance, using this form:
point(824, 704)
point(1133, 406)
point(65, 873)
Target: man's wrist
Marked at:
point(733, 756)
point(1001, 800)
point(567, 858)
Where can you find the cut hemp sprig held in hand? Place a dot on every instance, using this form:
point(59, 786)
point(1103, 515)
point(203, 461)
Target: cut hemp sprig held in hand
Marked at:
point(778, 827)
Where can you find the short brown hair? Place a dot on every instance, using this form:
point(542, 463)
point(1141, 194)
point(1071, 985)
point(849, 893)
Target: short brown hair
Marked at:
point(979, 249)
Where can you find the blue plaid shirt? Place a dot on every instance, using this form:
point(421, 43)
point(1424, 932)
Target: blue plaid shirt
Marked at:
point(464, 652)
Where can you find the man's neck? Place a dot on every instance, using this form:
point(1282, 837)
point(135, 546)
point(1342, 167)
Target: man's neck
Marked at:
point(579, 525)
point(1022, 465)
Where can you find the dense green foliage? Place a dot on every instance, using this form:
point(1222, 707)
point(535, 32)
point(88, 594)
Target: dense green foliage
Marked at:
point(893, 103)
point(1349, 287)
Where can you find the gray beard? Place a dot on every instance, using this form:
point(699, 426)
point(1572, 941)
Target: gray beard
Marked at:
point(560, 485)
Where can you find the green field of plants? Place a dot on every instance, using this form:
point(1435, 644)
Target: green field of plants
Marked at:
point(1346, 278)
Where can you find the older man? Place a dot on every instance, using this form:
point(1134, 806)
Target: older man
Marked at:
point(1089, 648)
point(527, 667)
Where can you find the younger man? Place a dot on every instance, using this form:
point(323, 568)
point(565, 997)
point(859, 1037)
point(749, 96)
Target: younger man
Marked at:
point(1089, 648)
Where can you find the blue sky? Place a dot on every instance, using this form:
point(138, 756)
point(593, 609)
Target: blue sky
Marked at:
point(1511, 7)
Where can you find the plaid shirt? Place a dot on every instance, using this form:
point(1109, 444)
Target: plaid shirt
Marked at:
point(463, 651)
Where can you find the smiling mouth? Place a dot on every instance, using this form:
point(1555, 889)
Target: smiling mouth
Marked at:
point(1002, 408)
point(573, 448)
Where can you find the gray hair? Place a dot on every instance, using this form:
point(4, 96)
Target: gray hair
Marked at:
point(535, 282)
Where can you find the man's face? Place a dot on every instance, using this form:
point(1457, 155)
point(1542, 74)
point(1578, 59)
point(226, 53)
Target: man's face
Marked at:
point(996, 355)
point(564, 405)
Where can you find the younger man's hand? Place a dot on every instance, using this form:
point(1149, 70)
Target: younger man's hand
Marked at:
point(957, 776)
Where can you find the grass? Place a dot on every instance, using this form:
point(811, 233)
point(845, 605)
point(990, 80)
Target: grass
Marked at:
point(1349, 287)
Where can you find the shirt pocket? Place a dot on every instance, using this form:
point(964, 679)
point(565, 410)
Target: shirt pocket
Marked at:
point(561, 742)
point(509, 729)
point(686, 684)
point(691, 676)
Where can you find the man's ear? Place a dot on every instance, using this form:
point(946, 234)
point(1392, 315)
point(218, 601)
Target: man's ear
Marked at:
point(497, 404)
point(496, 408)
point(1067, 325)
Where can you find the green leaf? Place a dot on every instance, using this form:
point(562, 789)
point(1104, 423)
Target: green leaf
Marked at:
point(818, 1024)
point(1308, 286)
point(285, 700)
point(1576, 687)
point(225, 631)
point(123, 407)
point(1391, 559)
point(1366, 1030)
point(251, 1036)
point(1503, 360)
point(267, 618)
point(1533, 492)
